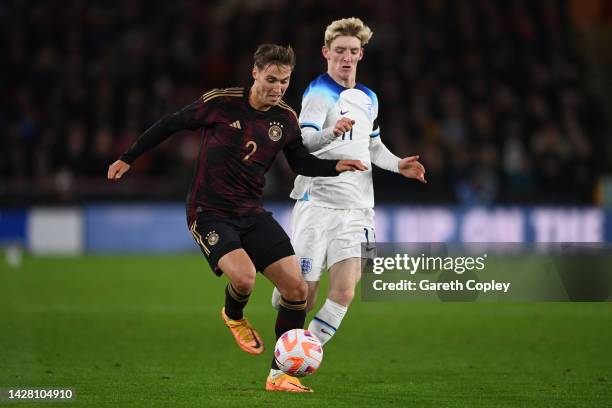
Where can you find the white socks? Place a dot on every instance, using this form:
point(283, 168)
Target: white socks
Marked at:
point(327, 320)
point(275, 373)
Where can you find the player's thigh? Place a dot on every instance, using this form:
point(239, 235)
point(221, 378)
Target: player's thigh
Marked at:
point(309, 237)
point(266, 242)
point(215, 238)
point(355, 230)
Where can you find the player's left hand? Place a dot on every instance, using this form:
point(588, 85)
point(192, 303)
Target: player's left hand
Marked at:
point(117, 170)
point(410, 167)
point(350, 165)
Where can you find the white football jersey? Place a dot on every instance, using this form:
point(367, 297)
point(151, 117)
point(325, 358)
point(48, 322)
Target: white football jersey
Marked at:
point(324, 102)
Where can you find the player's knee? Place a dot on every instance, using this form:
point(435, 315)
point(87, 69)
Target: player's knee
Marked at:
point(296, 291)
point(343, 297)
point(245, 283)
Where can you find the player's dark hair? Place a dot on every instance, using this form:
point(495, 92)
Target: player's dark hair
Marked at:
point(267, 54)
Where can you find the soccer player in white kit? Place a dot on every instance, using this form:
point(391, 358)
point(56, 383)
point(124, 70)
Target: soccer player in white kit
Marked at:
point(333, 216)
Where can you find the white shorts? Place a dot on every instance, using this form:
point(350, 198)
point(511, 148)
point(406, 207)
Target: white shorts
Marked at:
point(324, 236)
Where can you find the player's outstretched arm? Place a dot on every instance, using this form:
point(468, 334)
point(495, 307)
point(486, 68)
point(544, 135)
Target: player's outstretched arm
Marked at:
point(410, 167)
point(312, 166)
point(314, 140)
point(306, 164)
point(191, 117)
point(117, 169)
point(350, 165)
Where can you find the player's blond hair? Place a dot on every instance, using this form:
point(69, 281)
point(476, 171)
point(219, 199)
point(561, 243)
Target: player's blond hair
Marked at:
point(351, 26)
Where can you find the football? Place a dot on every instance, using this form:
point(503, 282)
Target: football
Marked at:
point(298, 353)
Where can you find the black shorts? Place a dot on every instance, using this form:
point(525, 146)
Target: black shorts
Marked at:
point(263, 239)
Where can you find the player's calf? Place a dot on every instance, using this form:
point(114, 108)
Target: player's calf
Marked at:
point(235, 301)
point(343, 296)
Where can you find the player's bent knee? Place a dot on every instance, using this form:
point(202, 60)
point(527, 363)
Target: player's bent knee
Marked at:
point(244, 283)
point(295, 292)
point(244, 286)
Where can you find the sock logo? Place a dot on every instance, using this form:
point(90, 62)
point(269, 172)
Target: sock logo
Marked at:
point(325, 331)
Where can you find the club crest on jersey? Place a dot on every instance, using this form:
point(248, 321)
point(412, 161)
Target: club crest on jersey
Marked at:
point(275, 132)
point(305, 265)
point(370, 112)
point(212, 238)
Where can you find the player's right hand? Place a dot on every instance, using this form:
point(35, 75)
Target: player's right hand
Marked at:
point(350, 165)
point(117, 169)
point(342, 126)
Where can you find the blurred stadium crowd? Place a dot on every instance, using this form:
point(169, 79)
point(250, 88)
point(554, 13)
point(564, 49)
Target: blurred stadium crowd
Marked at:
point(491, 94)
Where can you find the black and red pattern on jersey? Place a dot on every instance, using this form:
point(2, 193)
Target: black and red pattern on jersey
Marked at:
point(238, 146)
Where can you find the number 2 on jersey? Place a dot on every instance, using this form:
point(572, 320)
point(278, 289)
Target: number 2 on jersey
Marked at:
point(253, 145)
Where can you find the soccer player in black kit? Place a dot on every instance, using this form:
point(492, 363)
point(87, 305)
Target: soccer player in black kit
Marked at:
point(242, 131)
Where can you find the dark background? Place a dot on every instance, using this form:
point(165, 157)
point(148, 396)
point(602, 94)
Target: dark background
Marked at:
point(505, 101)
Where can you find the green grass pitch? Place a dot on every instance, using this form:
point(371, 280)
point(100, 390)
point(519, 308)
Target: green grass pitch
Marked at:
point(146, 332)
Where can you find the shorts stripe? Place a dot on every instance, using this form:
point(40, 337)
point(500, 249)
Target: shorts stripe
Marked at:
point(198, 238)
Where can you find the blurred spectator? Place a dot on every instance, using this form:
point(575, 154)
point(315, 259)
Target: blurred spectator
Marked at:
point(490, 93)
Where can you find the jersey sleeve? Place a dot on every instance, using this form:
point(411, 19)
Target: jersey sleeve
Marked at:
point(375, 127)
point(193, 116)
point(314, 111)
point(382, 157)
point(312, 118)
point(302, 162)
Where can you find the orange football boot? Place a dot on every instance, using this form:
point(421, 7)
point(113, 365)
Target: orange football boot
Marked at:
point(287, 383)
point(246, 336)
